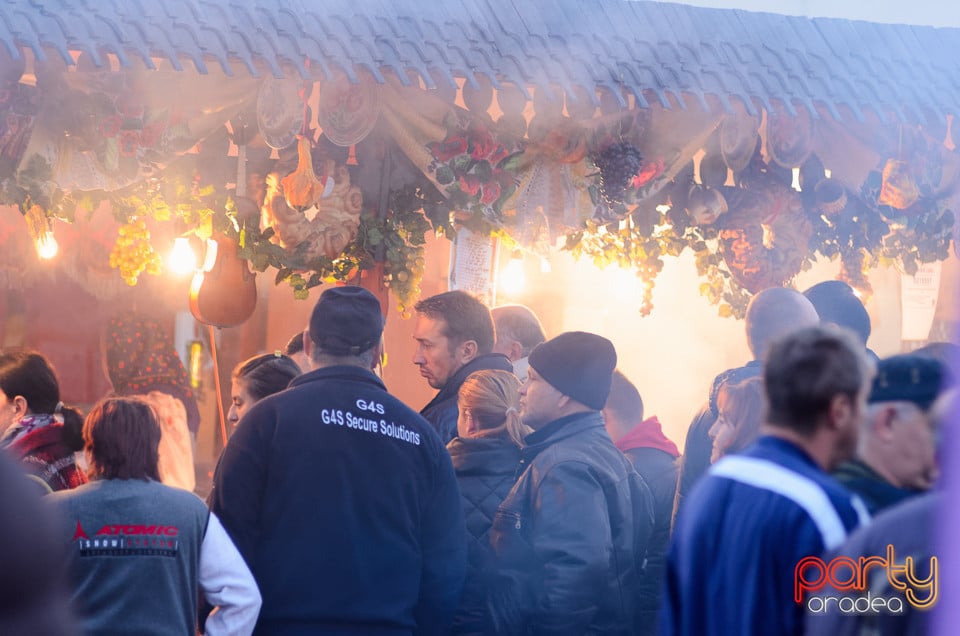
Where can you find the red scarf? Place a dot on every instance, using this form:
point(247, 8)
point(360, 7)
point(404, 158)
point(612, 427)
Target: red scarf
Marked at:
point(43, 453)
point(647, 434)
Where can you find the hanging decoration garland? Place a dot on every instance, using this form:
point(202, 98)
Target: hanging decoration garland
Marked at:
point(205, 210)
point(895, 218)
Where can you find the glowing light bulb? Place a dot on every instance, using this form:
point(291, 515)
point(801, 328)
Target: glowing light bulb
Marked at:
point(545, 267)
point(513, 279)
point(795, 184)
point(47, 246)
point(182, 258)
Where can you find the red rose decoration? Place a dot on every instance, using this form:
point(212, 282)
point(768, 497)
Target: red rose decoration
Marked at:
point(448, 148)
point(110, 126)
point(481, 144)
point(491, 192)
point(649, 171)
point(499, 154)
point(470, 184)
point(129, 142)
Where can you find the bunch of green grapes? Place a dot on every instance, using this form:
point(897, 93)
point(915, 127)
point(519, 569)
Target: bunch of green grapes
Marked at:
point(404, 271)
point(647, 273)
point(132, 253)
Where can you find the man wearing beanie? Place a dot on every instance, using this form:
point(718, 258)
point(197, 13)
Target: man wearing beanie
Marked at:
point(342, 500)
point(570, 538)
point(837, 304)
point(896, 452)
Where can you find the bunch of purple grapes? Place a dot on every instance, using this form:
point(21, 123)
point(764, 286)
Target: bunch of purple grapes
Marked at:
point(618, 163)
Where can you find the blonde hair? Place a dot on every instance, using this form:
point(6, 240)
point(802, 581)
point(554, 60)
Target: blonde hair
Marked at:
point(492, 400)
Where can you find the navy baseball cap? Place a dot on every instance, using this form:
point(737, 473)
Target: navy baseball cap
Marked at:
point(908, 378)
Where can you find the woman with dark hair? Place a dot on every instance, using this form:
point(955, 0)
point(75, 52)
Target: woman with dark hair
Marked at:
point(141, 360)
point(486, 455)
point(258, 377)
point(141, 550)
point(35, 427)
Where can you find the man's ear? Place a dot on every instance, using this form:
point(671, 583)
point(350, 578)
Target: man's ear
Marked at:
point(307, 345)
point(20, 407)
point(377, 357)
point(467, 351)
point(881, 421)
point(841, 410)
point(516, 351)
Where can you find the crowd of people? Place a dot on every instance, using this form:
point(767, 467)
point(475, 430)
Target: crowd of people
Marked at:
point(532, 495)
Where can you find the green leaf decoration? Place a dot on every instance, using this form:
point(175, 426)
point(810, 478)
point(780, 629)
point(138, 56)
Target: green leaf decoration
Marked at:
point(444, 175)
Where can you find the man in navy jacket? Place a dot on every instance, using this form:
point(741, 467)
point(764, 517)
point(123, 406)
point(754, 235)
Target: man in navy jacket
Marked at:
point(342, 500)
point(755, 516)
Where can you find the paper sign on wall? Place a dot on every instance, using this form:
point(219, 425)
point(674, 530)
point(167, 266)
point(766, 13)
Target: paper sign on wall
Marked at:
point(918, 301)
point(472, 265)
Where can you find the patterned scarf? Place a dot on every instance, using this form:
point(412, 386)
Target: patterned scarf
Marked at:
point(27, 424)
point(43, 454)
point(140, 358)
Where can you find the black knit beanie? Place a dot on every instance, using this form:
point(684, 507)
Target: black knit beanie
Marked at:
point(835, 302)
point(578, 364)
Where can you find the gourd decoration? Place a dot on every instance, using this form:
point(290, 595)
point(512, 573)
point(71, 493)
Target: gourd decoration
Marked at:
point(301, 188)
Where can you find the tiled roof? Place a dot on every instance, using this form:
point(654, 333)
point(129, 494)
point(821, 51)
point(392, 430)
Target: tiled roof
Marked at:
point(677, 55)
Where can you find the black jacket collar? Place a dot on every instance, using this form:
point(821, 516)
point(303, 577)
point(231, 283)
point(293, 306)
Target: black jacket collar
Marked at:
point(560, 429)
point(494, 361)
point(339, 372)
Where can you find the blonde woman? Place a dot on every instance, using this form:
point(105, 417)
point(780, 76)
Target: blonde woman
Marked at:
point(486, 455)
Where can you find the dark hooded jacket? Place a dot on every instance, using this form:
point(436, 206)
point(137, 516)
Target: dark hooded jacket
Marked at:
point(655, 458)
point(441, 411)
point(486, 471)
point(571, 536)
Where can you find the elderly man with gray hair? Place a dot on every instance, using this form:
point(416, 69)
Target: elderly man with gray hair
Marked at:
point(897, 455)
point(518, 331)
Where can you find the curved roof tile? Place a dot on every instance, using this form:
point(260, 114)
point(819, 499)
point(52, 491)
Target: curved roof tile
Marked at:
point(650, 48)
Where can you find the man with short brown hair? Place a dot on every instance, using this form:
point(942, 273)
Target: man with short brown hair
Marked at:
point(455, 336)
point(755, 515)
